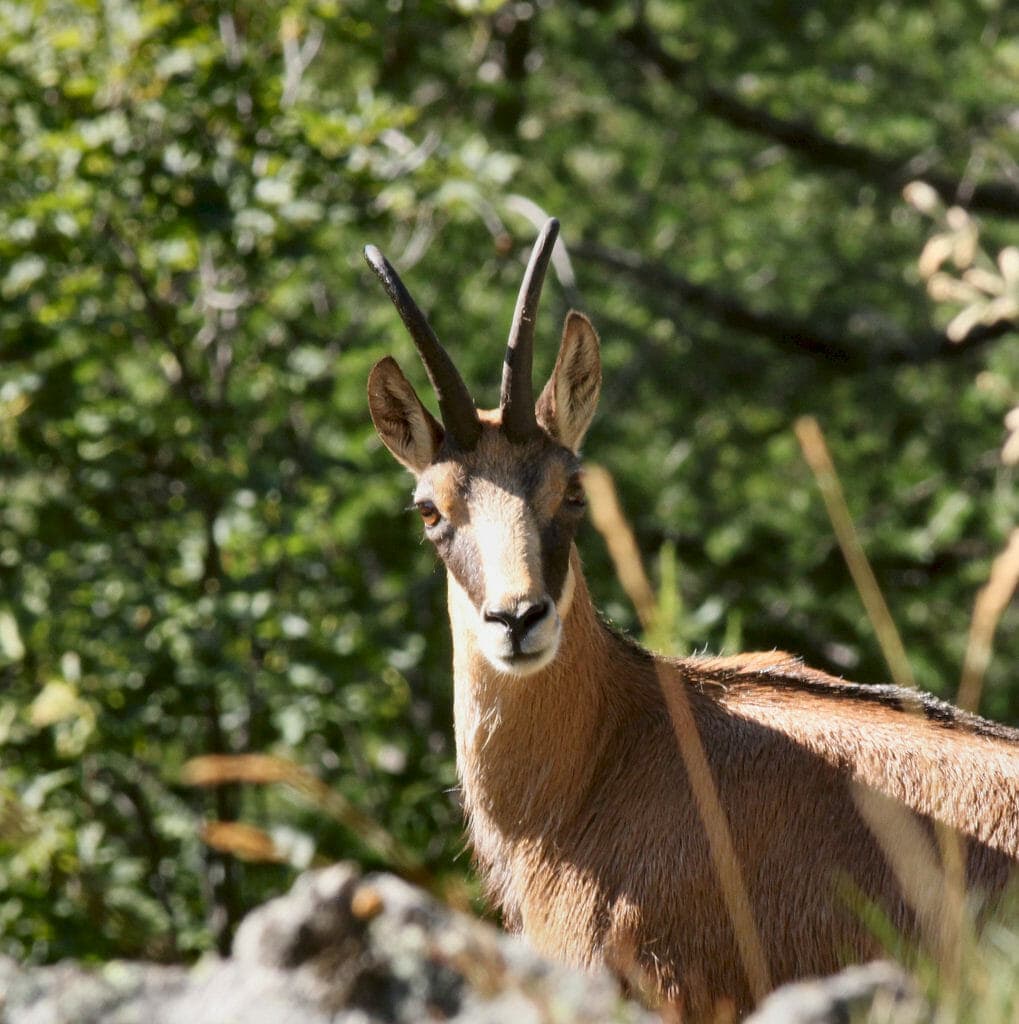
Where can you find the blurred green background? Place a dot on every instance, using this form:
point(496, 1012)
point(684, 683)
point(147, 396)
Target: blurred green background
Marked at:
point(203, 547)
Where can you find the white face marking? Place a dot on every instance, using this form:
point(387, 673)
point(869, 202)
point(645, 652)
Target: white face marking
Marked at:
point(508, 547)
point(507, 542)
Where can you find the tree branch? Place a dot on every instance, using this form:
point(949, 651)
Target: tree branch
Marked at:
point(792, 334)
point(890, 171)
point(125, 776)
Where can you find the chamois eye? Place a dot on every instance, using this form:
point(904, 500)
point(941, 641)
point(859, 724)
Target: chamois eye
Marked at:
point(430, 515)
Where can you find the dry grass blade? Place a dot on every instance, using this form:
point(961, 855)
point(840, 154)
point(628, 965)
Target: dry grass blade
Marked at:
point(720, 845)
point(612, 524)
point(955, 933)
point(245, 842)
point(815, 451)
point(934, 894)
point(261, 769)
point(988, 608)
point(221, 769)
point(609, 521)
point(950, 872)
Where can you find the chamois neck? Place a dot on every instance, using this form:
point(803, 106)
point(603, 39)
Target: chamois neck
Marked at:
point(526, 746)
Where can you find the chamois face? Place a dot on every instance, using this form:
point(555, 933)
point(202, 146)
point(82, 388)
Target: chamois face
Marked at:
point(502, 517)
point(501, 512)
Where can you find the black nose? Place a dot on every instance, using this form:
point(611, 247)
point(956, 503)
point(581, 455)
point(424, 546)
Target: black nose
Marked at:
point(521, 620)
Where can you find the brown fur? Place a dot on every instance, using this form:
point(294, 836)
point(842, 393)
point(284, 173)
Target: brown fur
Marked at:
point(584, 825)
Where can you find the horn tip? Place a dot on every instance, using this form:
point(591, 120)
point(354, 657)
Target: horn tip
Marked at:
point(373, 256)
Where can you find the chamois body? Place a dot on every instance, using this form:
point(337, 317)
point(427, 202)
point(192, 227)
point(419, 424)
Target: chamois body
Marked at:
point(587, 832)
point(576, 748)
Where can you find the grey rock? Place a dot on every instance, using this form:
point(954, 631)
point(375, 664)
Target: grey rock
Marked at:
point(343, 948)
point(339, 948)
point(874, 993)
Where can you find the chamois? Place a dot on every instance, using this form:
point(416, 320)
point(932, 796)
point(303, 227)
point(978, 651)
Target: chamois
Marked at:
point(582, 756)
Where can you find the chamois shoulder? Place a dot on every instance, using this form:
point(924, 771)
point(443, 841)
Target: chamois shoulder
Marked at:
point(775, 675)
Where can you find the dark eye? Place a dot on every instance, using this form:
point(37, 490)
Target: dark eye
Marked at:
point(575, 497)
point(430, 515)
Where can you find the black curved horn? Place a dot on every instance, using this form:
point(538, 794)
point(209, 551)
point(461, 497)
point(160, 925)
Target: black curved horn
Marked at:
point(459, 414)
point(517, 397)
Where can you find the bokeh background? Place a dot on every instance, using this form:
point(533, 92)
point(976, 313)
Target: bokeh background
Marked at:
point(205, 551)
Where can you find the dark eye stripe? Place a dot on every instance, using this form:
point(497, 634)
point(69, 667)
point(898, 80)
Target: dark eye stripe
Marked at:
point(575, 494)
point(556, 539)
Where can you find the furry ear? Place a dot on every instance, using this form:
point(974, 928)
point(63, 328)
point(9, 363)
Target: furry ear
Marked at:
point(567, 402)
point(405, 426)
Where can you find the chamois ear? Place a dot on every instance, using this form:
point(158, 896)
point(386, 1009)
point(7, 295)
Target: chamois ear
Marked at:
point(567, 402)
point(405, 426)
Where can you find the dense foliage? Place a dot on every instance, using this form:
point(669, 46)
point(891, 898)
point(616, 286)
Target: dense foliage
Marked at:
point(203, 547)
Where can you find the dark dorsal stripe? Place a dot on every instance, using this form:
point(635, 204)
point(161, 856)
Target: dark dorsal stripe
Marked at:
point(790, 674)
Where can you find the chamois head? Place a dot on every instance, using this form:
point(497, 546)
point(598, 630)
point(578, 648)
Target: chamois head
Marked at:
point(499, 491)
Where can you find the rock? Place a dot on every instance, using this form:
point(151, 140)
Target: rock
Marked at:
point(343, 948)
point(874, 993)
point(339, 948)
